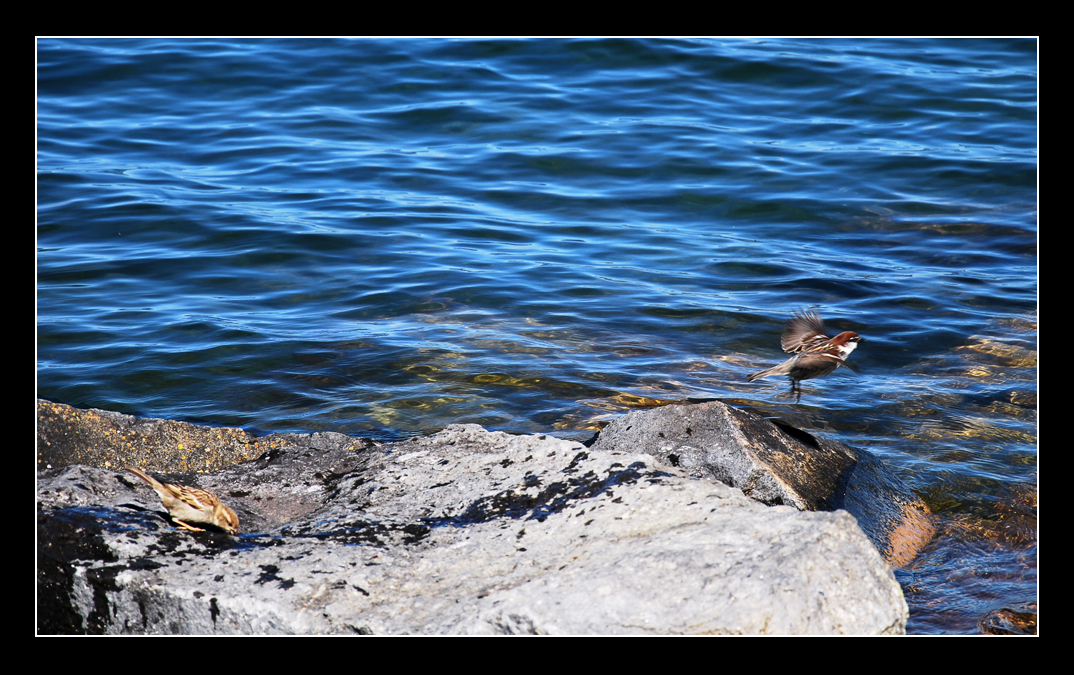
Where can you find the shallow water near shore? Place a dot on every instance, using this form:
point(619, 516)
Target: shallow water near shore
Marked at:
point(384, 237)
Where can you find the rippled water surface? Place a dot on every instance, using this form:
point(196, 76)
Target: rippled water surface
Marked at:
point(382, 238)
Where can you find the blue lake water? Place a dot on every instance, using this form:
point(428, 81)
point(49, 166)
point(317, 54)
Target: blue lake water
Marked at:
point(384, 237)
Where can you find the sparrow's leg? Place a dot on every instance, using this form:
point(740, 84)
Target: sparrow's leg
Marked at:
point(188, 527)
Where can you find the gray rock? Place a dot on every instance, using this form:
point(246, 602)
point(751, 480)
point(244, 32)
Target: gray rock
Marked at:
point(465, 532)
point(776, 463)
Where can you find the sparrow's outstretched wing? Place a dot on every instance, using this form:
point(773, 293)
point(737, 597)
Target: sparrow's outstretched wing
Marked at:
point(804, 332)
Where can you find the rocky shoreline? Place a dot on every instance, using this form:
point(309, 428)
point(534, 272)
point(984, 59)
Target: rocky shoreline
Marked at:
point(685, 519)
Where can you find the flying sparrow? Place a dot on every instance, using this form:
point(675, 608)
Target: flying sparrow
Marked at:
point(191, 504)
point(815, 354)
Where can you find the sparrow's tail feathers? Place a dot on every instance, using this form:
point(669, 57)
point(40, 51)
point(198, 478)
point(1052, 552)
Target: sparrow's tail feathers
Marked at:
point(759, 374)
point(153, 482)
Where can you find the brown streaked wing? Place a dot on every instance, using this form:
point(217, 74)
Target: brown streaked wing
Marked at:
point(198, 497)
point(802, 332)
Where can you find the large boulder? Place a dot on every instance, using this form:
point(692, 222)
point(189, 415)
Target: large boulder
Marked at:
point(776, 463)
point(466, 531)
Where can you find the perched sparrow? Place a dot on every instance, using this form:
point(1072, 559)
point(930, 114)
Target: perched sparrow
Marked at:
point(191, 504)
point(815, 354)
